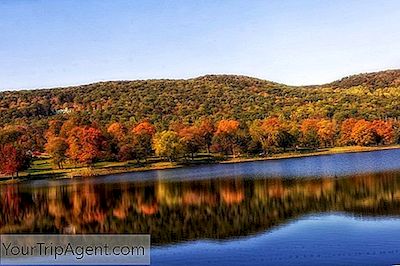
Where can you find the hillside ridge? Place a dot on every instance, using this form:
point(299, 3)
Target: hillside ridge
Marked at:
point(382, 78)
point(369, 96)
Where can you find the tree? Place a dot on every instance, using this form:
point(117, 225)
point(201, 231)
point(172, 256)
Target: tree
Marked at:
point(128, 151)
point(190, 138)
point(326, 132)
point(363, 133)
point(309, 130)
point(346, 130)
point(117, 131)
point(143, 134)
point(226, 136)
point(168, 144)
point(68, 127)
point(13, 159)
point(54, 129)
point(272, 134)
point(85, 144)
point(206, 131)
point(57, 148)
point(144, 128)
point(384, 131)
point(10, 135)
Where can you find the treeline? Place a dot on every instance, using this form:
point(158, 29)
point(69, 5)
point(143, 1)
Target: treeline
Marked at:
point(369, 96)
point(79, 142)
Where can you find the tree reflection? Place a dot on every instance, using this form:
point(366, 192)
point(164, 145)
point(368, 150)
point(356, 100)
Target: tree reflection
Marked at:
point(181, 210)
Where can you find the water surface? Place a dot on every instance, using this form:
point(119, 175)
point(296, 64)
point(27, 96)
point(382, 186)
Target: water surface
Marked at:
point(326, 210)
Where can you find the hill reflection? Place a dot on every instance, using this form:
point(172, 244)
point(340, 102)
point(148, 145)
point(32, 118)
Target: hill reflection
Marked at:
point(184, 210)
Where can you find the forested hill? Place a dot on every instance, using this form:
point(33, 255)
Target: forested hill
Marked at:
point(378, 80)
point(370, 96)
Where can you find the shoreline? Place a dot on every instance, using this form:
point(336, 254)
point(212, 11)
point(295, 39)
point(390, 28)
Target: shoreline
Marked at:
point(86, 172)
point(319, 152)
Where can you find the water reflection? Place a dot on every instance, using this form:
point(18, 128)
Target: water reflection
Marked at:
point(173, 211)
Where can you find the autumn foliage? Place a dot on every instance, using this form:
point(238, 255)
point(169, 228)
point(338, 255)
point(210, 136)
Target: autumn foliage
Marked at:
point(76, 141)
point(13, 160)
point(85, 144)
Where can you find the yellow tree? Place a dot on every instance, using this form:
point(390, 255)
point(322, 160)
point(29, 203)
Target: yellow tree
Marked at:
point(168, 144)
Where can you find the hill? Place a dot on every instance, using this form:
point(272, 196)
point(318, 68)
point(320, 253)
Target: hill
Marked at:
point(382, 79)
point(370, 96)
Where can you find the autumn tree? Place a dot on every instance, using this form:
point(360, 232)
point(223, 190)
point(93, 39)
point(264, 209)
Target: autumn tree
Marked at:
point(128, 150)
point(117, 131)
point(363, 133)
point(326, 132)
point(142, 138)
point(190, 139)
point(13, 159)
point(85, 144)
point(206, 131)
point(16, 135)
point(309, 130)
point(54, 129)
point(384, 131)
point(272, 134)
point(15, 149)
point(226, 136)
point(346, 130)
point(68, 127)
point(168, 144)
point(57, 148)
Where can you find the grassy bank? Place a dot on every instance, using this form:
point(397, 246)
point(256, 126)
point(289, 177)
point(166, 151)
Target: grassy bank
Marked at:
point(42, 168)
point(327, 151)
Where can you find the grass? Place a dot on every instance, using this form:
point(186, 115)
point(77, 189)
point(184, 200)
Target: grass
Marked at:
point(43, 168)
point(325, 151)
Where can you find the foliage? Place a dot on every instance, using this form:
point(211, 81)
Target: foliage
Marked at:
point(133, 120)
point(368, 96)
point(226, 137)
point(13, 160)
point(168, 144)
point(85, 144)
point(57, 148)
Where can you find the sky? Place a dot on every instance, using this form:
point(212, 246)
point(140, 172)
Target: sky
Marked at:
point(47, 43)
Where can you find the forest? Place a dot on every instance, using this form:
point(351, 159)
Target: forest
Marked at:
point(219, 115)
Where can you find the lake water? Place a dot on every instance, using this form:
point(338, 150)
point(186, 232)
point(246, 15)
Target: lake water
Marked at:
point(325, 210)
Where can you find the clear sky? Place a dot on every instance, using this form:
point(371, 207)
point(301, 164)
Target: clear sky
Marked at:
point(47, 43)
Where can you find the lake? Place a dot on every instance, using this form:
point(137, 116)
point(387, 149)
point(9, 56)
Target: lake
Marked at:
point(322, 210)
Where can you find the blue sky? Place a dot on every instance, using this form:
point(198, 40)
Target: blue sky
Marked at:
point(47, 43)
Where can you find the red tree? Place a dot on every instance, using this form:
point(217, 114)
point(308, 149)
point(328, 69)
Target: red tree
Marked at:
point(13, 160)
